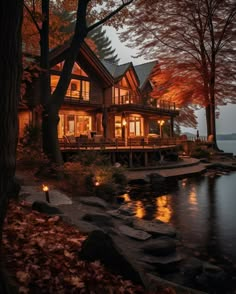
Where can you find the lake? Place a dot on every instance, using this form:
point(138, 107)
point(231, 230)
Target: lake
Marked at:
point(227, 145)
point(203, 209)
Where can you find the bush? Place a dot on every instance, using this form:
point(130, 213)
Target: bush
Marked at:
point(199, 152)
point(95, 179)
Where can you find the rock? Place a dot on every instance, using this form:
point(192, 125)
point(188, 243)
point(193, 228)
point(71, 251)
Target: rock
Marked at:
point(154, 227)
point(164, 263)
point(117, 214)
point(94, 201)
point(100, 219)
point(86, 227)
point(46, 208)
point(135, 234)
point(128, 209)
point(212, 277)
point(100, 246)
point(192, 267)
point(160, 246)
point(156, 178)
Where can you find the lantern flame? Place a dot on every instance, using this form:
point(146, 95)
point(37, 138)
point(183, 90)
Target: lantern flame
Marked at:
point(45, 188)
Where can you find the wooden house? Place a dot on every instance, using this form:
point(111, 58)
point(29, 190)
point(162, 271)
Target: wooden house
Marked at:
point(104, 100)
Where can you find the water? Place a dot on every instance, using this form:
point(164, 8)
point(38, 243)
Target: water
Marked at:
point(227, 145)
point(203, 210)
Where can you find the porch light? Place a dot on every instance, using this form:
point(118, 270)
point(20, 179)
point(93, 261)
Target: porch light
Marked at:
point(46, 190)
point(124, 122)
point(161, 123)
point(97, 183)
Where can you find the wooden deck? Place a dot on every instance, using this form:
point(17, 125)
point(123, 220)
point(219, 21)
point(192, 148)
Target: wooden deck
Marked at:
point(139, 153)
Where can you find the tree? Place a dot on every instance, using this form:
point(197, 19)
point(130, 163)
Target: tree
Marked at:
point(199, 36)
point(96, 39)
point(52, 102)
point(103, 45)
point(10, 77)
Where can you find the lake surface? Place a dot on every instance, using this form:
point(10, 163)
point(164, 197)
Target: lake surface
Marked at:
point(202, 208)
point(227, 145)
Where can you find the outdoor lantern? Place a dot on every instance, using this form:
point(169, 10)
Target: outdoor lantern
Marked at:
point(161, 123)
point(46, 190)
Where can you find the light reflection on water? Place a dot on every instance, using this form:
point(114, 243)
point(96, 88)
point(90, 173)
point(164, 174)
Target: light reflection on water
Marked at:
point(163, 208)
point(203, 209)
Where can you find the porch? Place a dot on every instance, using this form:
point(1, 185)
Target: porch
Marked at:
point(132, 153)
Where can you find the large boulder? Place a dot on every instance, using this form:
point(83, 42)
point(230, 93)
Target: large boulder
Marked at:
point(159, 246)
point(100, 246)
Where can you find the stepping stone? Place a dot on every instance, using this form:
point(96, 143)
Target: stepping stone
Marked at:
point(154, 227)
point(163, 260)
point(128, 209)
point(117, 214)
point(135, 234)
point(86, 227)
point(160, 246)
point(101, 219)
point(94, 201)
point(165, 264)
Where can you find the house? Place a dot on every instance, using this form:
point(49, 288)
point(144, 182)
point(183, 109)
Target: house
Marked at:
point(104, 100)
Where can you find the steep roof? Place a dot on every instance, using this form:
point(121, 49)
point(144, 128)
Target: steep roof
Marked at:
point(85, 53)
point(116, 70)
point(144, 70)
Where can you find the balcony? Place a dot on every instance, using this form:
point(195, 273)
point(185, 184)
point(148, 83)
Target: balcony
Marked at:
point(132, 102)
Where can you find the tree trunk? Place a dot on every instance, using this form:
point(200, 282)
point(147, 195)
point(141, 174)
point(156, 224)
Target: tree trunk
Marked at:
point(10, 77)
point(208, 124)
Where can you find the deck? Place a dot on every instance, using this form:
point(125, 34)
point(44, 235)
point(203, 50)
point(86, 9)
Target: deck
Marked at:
point(130, 153)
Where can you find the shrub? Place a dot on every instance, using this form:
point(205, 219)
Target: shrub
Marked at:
point(199, 152)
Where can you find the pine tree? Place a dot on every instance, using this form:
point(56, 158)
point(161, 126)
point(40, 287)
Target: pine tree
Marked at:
point(103, 45)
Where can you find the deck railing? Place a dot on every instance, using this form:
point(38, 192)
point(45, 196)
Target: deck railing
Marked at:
point(118, 143)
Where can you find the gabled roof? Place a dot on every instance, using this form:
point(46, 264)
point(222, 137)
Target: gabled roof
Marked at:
point(144, 70)
point(116, 70)
point(85, 53)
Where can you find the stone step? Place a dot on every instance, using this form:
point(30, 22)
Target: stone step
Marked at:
point(164, 264)
point(154, 228)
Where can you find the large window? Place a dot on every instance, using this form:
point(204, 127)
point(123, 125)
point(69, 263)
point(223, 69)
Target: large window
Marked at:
point(122, 93)
point(74, 125)
point(135, 126)
point(78, 88)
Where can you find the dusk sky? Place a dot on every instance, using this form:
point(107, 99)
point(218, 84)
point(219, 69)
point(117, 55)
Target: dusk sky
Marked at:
point(227, 120)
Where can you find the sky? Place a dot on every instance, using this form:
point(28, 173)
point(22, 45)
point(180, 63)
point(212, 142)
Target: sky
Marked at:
point(226, 124)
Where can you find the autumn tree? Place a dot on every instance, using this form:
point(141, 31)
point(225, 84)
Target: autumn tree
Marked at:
point(10, 77)
point(199, 36)
point(99, 12)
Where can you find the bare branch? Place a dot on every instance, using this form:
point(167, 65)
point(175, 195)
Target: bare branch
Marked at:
point(106, 18)
point(32, 17)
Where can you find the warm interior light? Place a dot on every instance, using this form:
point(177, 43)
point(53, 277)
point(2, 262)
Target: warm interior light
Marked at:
point(97, 183)
point(161, 122)
point(45, 188)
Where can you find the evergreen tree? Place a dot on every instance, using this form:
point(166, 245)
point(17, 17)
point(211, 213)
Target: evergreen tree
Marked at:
point(103, 45)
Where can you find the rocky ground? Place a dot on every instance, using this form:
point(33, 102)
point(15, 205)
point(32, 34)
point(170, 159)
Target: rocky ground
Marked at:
point(149, 253)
